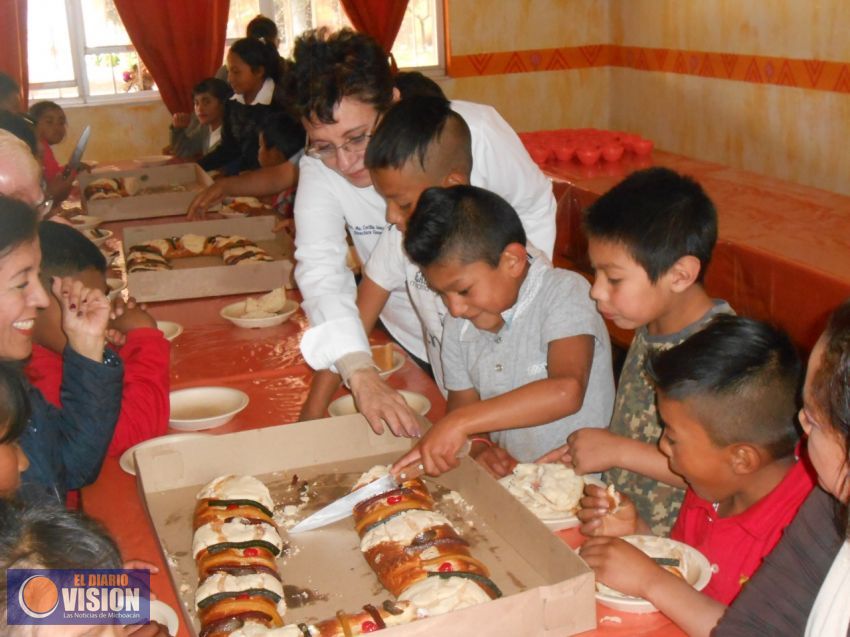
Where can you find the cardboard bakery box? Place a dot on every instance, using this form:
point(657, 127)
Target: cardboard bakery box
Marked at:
point(548, 590)
point(195, 277)
point(163, 191)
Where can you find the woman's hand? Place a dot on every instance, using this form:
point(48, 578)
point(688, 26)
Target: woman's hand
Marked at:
point(381, 405)
point(85, 314)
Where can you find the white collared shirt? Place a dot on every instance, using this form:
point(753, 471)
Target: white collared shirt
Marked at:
point(264, 95)
point(326, 204)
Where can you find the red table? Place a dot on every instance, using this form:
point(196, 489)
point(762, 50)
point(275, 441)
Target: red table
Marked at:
point(783, 252)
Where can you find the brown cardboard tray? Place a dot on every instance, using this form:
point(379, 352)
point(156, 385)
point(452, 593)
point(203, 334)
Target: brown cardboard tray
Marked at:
point(143, 206)
point(548, 590)
point(196, 277)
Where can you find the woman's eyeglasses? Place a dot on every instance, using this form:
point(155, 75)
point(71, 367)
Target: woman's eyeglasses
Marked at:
point(327, 151)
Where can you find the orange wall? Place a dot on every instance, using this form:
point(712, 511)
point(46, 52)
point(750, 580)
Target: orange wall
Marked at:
point(797, 134)
point(541, 99)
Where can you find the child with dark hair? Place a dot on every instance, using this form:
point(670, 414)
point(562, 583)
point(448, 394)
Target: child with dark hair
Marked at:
point(140, 345)
point(803, 587)
point(420, 142)
point(254, 72)
point(51, 126)
point(14, 415)
point(412, 83)
point(650, 240)
point(525, 355)
point(263, 28)
point(727, 398)
point(10, 94)
point(195, 137)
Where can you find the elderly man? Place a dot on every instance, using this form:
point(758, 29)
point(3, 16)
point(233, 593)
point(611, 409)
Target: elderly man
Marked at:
point(20, 174)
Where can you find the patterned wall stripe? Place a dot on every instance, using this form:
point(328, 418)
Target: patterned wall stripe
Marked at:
point(821, 75)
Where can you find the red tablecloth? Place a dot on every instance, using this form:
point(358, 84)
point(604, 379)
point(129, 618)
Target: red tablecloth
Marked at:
point(783, 252)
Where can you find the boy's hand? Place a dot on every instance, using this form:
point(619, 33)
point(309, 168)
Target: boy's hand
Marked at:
point(204, 200)
point(380, 404)
point(598, 518)
point(438, 449)
point(85, 313)
point(496, 460)
point(620, 565)
point(587, 450)
point(129, 315)
point(181, 120)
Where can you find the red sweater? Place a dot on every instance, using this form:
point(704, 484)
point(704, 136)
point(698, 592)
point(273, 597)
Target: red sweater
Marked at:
point(49, 164)
point(144, 399)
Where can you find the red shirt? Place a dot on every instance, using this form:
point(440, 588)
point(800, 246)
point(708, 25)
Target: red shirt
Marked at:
point(49, 164)
point(144, 399)
point(735, 546)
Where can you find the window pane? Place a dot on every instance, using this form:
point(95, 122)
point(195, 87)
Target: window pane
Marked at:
point(37, 94)
point(102, 24)
point(293, 17)
point(48, 44)
point(241, 13)
point(416, 43)
point(117, 74)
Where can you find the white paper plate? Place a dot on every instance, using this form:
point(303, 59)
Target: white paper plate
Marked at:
point(115, 287)
point(127, 460)
point(697, 572)
point(162, 613)
point(200, 408)
point(84, 222)
point(344, 405)
point(234, 311)
point(170, 329)
point(398, 362)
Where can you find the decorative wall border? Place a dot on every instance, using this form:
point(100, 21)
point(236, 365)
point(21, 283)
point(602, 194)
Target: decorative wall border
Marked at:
point(820, 75)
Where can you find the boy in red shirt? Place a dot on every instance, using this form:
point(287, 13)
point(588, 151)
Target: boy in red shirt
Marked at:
point(142, 347)
point(727, 399)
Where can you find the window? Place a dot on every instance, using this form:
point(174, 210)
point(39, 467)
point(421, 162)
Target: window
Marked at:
point(80, 52)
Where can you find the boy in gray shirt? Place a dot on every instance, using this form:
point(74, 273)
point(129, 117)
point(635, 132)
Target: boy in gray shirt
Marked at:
point(526, 356)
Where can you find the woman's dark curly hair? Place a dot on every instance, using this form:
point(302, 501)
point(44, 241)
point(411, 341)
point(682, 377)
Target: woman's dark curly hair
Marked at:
point(330, 65)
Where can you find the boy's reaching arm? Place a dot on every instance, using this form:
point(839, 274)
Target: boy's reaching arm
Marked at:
point(569, 361)
point(593, 450)
point(623, 567)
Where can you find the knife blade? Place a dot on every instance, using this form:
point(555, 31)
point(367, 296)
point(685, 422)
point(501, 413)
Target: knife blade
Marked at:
point(344, 506)
point(77, 155)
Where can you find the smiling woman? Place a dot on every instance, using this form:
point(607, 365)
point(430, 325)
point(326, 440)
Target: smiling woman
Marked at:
point(65, 446)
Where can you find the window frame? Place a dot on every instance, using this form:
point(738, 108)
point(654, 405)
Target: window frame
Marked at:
point(79, 50)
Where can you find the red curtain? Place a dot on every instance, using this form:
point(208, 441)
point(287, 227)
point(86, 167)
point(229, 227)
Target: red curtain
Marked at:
point(379, 18)
point(180, 42)
point(13, 43)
